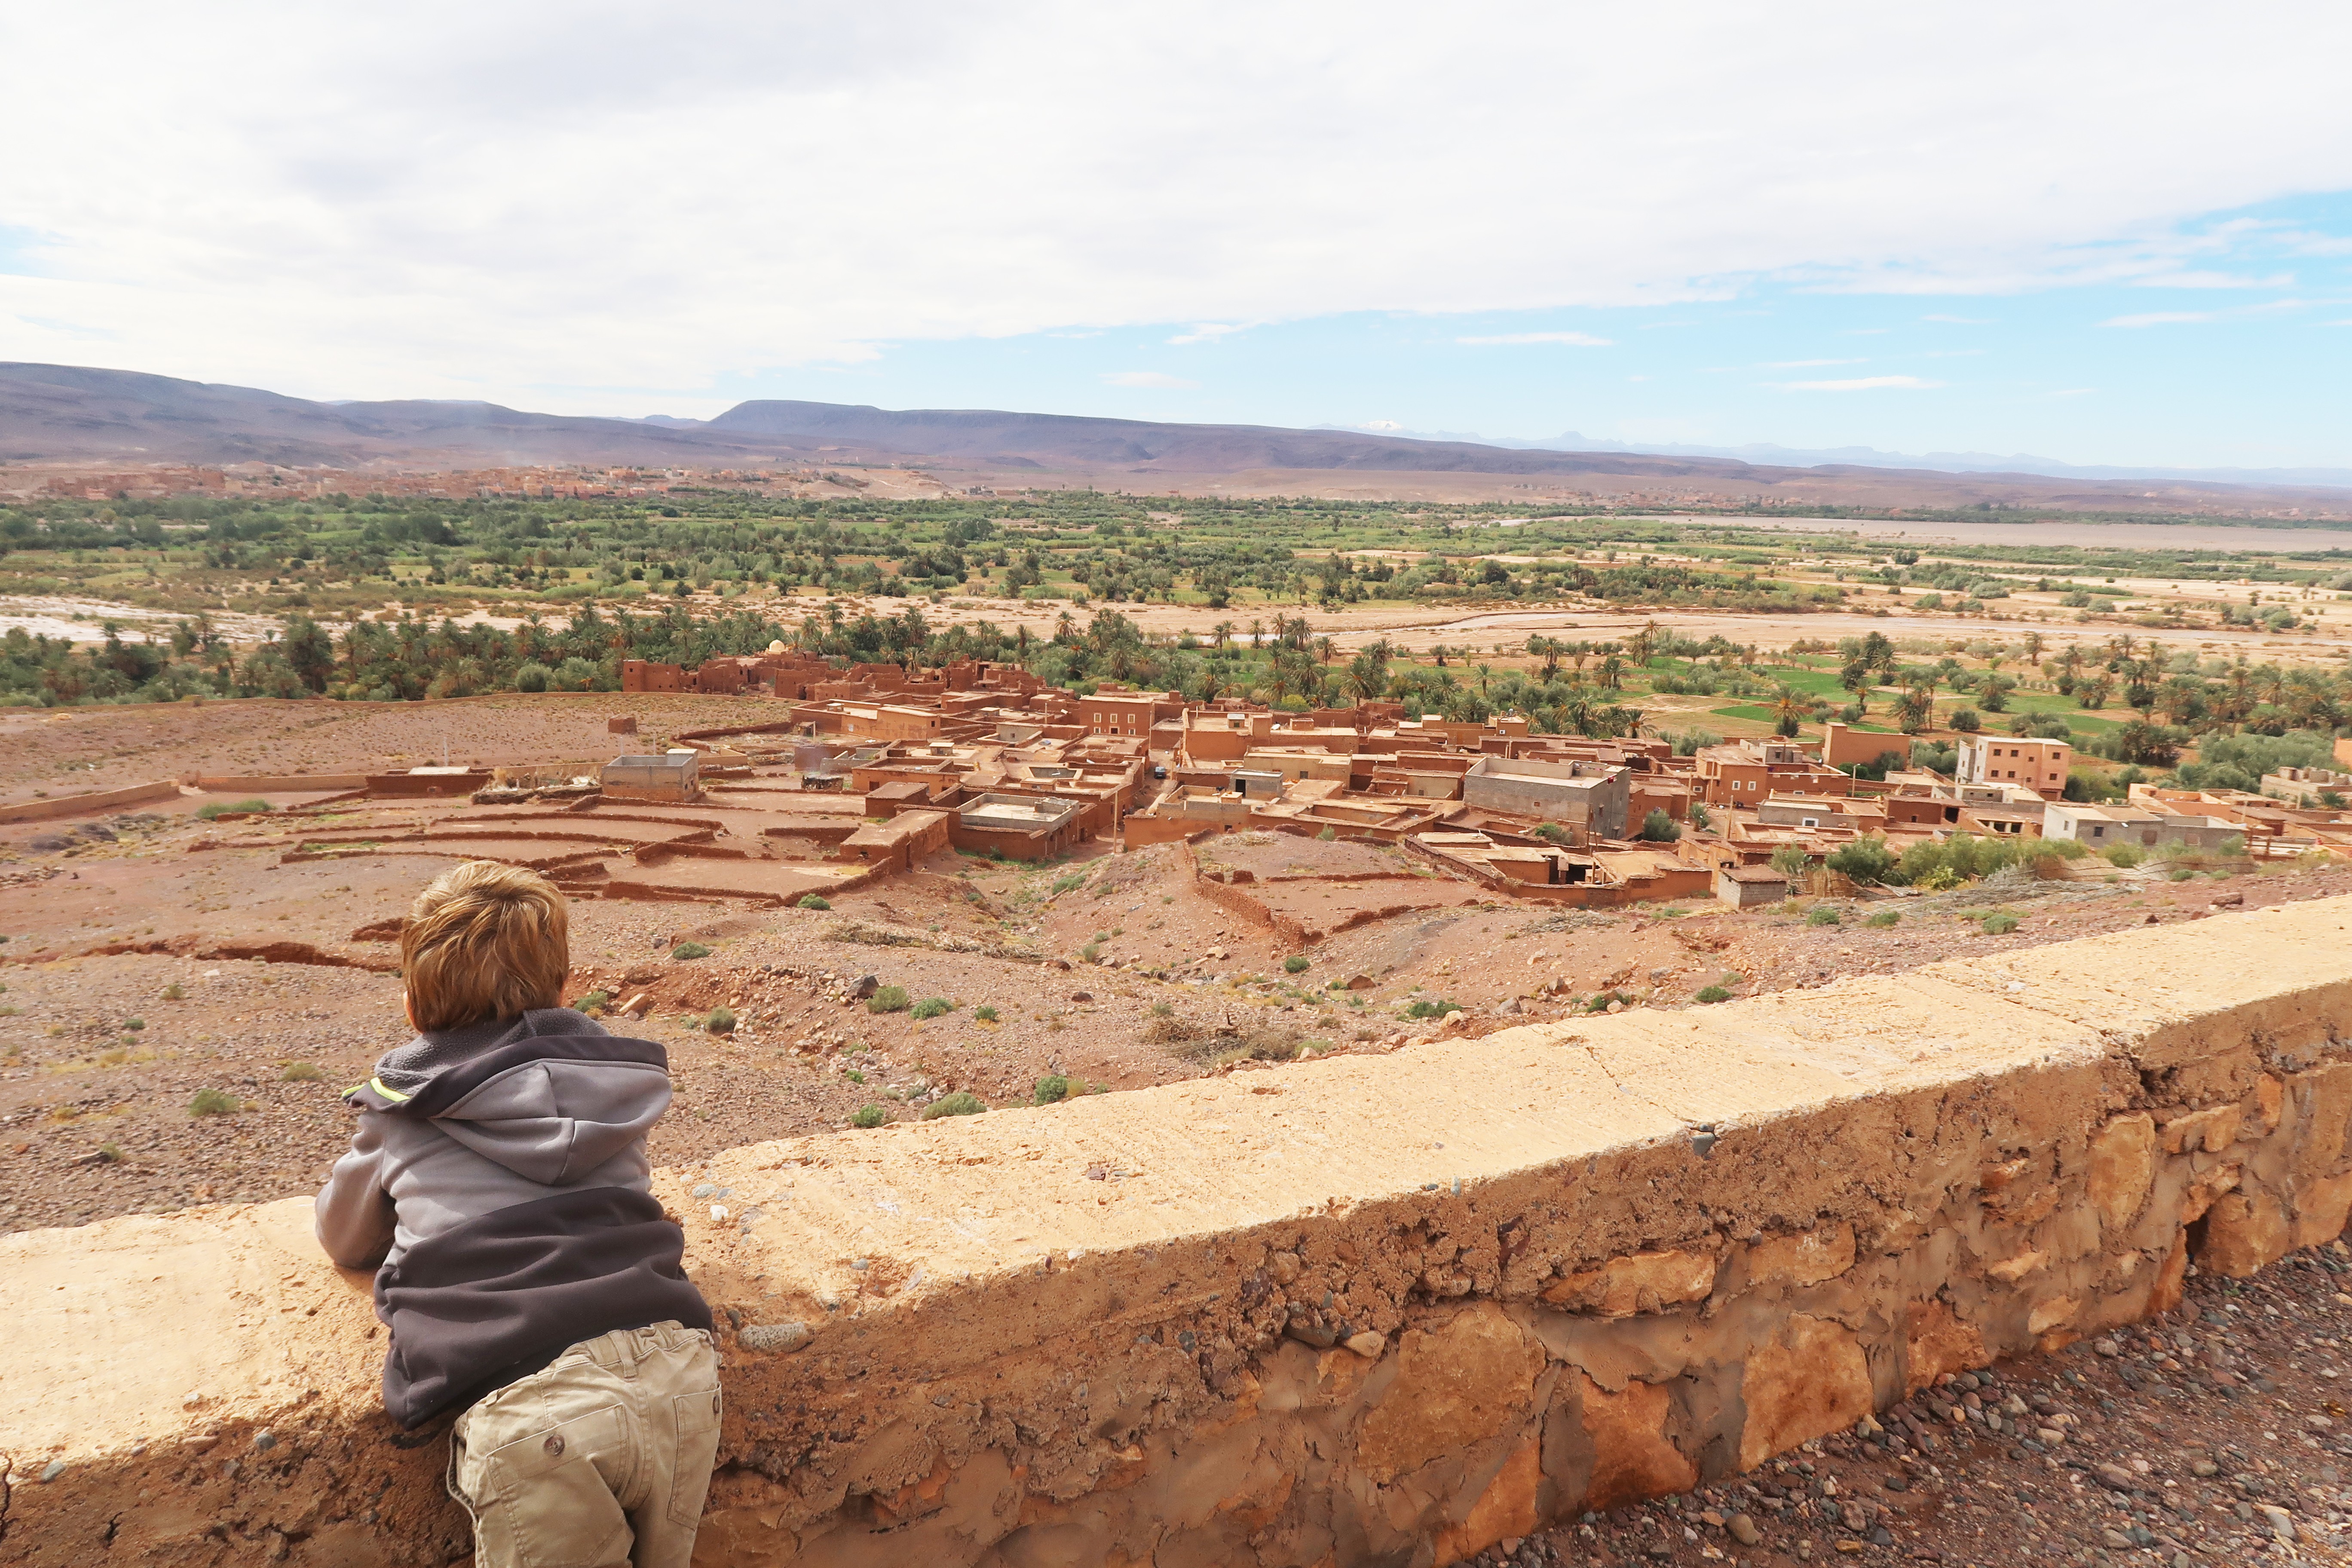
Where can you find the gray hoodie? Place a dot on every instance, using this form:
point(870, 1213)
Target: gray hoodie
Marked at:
point(499, 1183)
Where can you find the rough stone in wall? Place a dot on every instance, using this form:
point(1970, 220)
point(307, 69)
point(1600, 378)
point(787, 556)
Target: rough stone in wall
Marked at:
point(1370, 1308)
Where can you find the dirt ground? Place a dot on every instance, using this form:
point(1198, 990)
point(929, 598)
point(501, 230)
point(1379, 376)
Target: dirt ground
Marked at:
point(79, 750)
point(162, 956)
point(2214, 1435)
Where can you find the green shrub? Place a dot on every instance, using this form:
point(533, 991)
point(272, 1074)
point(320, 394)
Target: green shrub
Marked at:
point(1659, 829)
point(1091, 952)
point(1790, 860)
point(1327, 834)
point(889, 999)
point(721, 1021)
point(1822, 915)
point(933, 1007)
point(962, 1102)
point(1883, 919)
point(1064, 884)
point(213, 810)
point(1053, 1088)
point(2124, 857)
point(984, 1013)
point(133, 1025)
point(591, 1002)
point(1865, 860)
point(213, 1103)
point(1967, 721)
point(1431, 1009)
point(1295, 965)
point(811, 901)
point(1714, 994)
point(299, 1072)
point(175, 992)
point(2180, 874)
point(532, 677)
point(869, 1116)
point(689, 950)
point(2000, 922)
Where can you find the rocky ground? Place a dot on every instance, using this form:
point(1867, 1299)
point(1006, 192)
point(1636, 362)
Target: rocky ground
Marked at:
point(104, 1048)
point(2215, 1434)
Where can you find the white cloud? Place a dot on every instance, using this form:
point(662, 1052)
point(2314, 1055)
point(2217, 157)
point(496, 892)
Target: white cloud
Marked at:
point(531, 202)
point(1807, 363)
point(1575, 339)
point(2158, 319)
point(1207, 333)
point(1147, 378)
point(1861, 383)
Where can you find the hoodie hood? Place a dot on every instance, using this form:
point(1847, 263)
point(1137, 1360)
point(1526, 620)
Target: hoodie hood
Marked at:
point(550, 1095)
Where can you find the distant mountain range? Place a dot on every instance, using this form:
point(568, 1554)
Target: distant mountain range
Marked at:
point(79, 414)
point(1764, 454)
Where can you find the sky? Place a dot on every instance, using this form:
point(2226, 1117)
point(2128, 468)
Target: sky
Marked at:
point(2096, 233)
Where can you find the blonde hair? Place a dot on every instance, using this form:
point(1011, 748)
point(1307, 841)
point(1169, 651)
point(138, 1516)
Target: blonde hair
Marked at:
point(484, 941)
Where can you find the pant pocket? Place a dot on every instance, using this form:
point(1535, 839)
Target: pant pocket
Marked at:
point(695, 1449)
point(553, 1505)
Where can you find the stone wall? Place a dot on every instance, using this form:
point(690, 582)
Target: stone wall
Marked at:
point(1367, 1309)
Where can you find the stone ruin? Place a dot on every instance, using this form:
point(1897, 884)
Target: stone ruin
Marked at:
point(1367, 1309)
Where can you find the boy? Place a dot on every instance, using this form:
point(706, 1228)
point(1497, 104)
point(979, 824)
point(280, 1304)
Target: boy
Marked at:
point(527, 1277)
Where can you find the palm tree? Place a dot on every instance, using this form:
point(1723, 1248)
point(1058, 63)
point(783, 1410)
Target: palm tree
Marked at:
point(1612, 670)
point(1223, 632)
point(1790, 708)
point(1916, 710)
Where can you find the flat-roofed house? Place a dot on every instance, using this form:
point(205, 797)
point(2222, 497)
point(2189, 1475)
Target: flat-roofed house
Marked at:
point(1592, 796)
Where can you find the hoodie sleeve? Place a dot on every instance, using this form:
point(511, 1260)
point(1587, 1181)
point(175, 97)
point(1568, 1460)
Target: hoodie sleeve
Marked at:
point(353, 1216)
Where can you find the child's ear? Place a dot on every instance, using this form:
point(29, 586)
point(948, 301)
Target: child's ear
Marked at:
point(409, 1008)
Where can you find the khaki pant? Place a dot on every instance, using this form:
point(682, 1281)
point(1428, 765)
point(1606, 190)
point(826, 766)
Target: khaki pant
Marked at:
point(603, 1458)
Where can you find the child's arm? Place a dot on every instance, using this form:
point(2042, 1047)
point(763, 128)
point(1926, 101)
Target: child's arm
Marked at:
point(354, 1214)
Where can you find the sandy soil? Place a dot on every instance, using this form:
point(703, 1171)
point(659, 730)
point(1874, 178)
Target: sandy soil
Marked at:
point(76, 750)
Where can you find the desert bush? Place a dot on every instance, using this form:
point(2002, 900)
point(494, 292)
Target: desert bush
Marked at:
point(889, 999)
point(984, 1014)
point(1865, 860)
point(594, 1001)
point(1659, 829)
point(175, 992)
point(1822, 915)
point(962, 1102)
point(213, 810)
point(812, 901)
point(2000, 923)
point(1327, 834)
point(1295, 965)
point(721, 1021)
point(299, 1072)
point(1427, 1008)
point(213, 1103)
point(2124, 857)
point(869, 1116)
point(933, 1007)
point(689, 950)
point(1714, 994)
point(1053, 1088)
point(1883, 919)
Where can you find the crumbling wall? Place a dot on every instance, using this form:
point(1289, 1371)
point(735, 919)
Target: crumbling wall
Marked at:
point(1369, 1308)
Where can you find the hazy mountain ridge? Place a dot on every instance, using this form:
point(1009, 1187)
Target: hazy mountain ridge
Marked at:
point(82, 415)
point(1765, 453)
